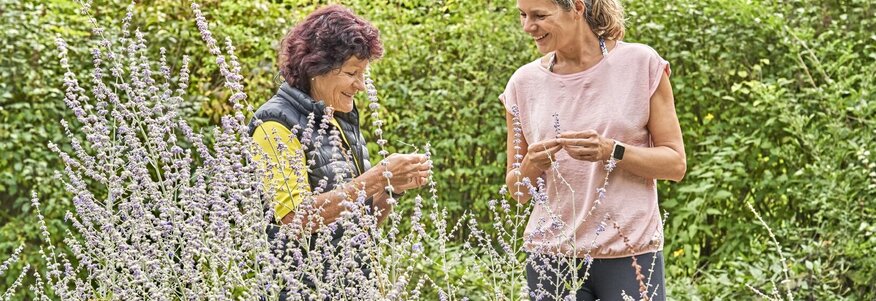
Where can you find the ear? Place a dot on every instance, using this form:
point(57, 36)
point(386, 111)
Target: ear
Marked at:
point(580, 8)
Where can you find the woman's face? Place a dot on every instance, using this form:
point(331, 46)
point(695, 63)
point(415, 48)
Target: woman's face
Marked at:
point(548, 24)
point(337, 87)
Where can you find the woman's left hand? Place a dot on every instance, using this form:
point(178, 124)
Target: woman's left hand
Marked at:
point(586, 145)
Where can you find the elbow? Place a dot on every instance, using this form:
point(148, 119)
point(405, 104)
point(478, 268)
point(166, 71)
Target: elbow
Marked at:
point(515, 194)
point(522, 199)
point(515, 191)
point(679, 170)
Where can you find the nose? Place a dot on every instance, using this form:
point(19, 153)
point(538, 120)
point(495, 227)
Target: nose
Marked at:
point(528, 25)
point(359, 83)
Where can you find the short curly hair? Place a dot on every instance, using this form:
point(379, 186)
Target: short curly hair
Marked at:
point(323, 42)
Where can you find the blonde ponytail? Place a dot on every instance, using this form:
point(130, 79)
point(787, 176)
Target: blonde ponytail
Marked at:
point(605, 17)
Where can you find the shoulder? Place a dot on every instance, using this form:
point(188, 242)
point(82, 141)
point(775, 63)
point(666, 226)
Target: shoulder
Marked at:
point(289, 106)
point(276, 109)
point(279, 112)
point(636, 51)
point(527, 72)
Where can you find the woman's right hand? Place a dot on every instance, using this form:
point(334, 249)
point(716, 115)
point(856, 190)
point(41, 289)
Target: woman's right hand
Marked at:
point(542, 153)
point(408, 171)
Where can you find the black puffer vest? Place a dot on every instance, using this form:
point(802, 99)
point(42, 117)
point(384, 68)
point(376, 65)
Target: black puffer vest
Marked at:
point(291, 107)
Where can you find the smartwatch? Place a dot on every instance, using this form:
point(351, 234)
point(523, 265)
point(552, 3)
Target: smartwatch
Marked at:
point(618, 152)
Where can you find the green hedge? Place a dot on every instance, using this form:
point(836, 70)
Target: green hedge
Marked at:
point(776, 102)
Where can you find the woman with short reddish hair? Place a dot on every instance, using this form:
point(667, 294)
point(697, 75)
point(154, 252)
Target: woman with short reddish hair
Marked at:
point(323, 61)
point(317, 175)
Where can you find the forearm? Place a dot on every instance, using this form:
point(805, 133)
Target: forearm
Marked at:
point(659, 162)
point(331, 204)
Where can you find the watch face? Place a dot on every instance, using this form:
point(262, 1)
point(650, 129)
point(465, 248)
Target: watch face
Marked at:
point(618, 153)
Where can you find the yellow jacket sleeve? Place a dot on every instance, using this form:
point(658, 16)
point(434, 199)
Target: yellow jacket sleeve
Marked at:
point(282, 153)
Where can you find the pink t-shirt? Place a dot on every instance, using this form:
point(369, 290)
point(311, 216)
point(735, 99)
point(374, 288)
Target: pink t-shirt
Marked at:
point(612, 98)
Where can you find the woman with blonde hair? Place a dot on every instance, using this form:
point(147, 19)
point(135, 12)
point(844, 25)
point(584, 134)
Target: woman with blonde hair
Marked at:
point(593, 110)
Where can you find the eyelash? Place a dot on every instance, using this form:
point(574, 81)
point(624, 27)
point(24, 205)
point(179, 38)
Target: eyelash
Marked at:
point(539, 17)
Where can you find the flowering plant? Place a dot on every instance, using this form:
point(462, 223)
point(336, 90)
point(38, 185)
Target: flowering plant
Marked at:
point(163, 211)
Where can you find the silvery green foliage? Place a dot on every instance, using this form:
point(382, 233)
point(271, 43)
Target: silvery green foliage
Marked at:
point(163, 214)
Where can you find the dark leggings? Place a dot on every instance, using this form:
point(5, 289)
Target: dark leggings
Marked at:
point(607, 279)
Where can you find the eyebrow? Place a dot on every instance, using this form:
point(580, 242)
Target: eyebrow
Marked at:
point(535, 11)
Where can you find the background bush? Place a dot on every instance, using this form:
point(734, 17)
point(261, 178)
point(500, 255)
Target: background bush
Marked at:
point(776, 102)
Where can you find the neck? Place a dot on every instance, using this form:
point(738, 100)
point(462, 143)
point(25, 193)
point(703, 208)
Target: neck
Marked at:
point(581, 51)
point(317, 97)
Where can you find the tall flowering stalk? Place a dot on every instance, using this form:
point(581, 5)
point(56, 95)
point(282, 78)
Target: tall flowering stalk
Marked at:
point(786, 274)
point(10, 291)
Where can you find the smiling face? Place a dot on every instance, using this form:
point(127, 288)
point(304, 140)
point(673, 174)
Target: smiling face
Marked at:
point(548, 24)
point(337, 87)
